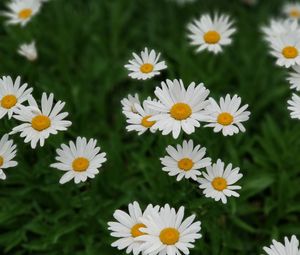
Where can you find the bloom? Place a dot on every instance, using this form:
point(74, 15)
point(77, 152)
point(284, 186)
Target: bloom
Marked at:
point(294, 78)
point(12, 95)
point(294, 107)
point(227, 116)
point(145, 66)
point(128, 227)
point(40, 124)
point(288, 248)
point(211, 33)
point(128, 104)
point(80, 160)
point(167, 233)
point(7, 154)
point(218, 180)
point(178, 108)
point(292, 10)
point(185, 161)
point(21, 11)
point(29, 51)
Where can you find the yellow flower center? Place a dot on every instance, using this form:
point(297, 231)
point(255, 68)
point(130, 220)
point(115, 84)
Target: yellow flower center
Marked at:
point(212, 37)
point(146, 68)
point(225, 118)
point(146, 123)
point(185, 164)
point(290, 52)
point(181, 111)
point(295, 13)
point(8, 101)
point(1, 161)
point(135, 230)
point(40, 122)
point(80, 164)
point(219, 183)
point(25, 13)
point(169, 236)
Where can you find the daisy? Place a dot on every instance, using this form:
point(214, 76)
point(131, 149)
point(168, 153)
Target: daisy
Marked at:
point(128, 227)
point(286, 49)
point(228, 116)
point(140, 121)
point(40, 124)
point(185, 161)
point(218, 180)
point(179, 108)
point(12, 95)
point(288, 248)
point(292, 10)
point(128, 104)
point(294, 78)
point(7, 154)
point(211, 33)
point(21, 11)
point(80, 160)
point(294, 106)
point(29, 51)
point(166, 233)
point(145, 66)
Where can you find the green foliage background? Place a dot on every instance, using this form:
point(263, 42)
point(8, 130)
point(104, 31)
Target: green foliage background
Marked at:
point(83, 45)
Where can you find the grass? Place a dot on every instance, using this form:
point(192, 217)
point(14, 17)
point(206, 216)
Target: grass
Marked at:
point(83, 46)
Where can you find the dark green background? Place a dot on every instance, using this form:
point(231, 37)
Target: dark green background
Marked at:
point(83, 45)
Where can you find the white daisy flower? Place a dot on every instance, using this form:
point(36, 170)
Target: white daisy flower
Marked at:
point(128, 104)
point(40, 124)
point(288, 248)
point(179, 108)
point(294, 106)
point(166, 233)
point(21, 11)
point(286, 49)
point(29, 51)
point(211, 33)
point(140, 121)
point(294, 78)
point(80, 160)
point(292, 10)
point(228, 116)
point(145, 66)
point(185, 161)
point(128, 227)
point(12, 95)
point(7, 154)
point(218, 180)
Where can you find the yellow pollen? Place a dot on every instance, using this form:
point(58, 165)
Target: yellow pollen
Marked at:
point(290, 52)
point(185, 164)
point(181, 111)
point(135, 230)
point(80, 164)
point(225, 118)
point(212, 37)
point(8, 101)
point(295, 13)
point(1, 161)
point(146, 68)
point(169, 236)
point(40, 122)
point(25, 14)
point(219, 183)
point(146, 123)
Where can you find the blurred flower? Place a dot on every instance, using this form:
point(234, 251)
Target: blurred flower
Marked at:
point(80, 161)
point(29, 51)
point(7, 154)
point(21, 11)
point(40, 124)
point(12, 95)
point(184, 1)
point(294, 107)
point(139, 121)
point(211, 33)
point(227, 116)
point(128, 104)
point(167, 232)
point(294, 78)
point(179, 108)
point(185, 161)
point(146, 66)
point(288, 248)
point(292, 10)
point(218, 180)
point(128, 227)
